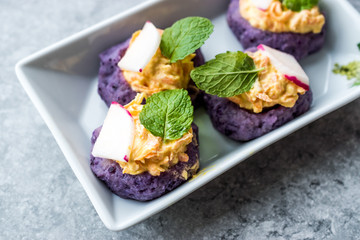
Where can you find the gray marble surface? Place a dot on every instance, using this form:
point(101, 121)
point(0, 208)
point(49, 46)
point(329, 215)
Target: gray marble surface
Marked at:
point(306, 186)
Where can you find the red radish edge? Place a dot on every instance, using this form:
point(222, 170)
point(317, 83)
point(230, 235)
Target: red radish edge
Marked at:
point(126, 158)
point(148, 21)
point(260, 47)
point(290, 78)
point(122, 107)
point(128, 112)
point(261, 9)
point(140, 70)
point(297, 82)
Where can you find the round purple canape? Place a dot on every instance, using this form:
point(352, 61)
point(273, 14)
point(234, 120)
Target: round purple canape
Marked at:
point(144, 186)
point(112, 85)
point(243, 125)
point(297, 44)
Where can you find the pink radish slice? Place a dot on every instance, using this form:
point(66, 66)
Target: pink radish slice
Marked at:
point(297, 82)
point(260, 47)
point(116, 136)
point(287, 65)
point(123, 108)
point(139, 54)
point(262, 4)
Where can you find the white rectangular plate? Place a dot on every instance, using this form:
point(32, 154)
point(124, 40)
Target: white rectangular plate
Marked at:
point(61, 80)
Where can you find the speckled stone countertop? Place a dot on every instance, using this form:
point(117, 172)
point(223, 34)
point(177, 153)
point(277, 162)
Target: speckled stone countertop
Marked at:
point(310, 190)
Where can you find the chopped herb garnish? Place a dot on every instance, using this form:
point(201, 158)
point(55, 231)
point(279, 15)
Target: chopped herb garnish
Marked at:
point(351, 71)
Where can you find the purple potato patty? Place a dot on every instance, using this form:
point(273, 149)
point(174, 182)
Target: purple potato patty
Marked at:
point(242, 125)
point(296, 44)
point(144, 186)
point(112, 85)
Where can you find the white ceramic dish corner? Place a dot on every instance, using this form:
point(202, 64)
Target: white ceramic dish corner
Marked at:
point(61, 80)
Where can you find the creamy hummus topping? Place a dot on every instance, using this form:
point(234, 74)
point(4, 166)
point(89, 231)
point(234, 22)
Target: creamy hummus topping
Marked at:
point(149, 153)
point(279, 19)
point(159, 74)
point(271, 88)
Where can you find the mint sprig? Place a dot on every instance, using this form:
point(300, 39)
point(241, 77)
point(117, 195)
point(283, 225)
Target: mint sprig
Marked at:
point(168, 114)
point(229, 74)
point(184, 37)
point(299, 5)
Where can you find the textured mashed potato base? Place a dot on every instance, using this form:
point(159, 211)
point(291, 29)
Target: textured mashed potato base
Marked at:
point(270, 89)
point(150, 153)
point(279, 19)
point(159, 74)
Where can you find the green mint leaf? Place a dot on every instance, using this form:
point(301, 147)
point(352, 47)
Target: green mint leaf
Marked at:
point(298, 5)
point(229, 74)
point(358, 46)
point(168, 114)
point(184, 37)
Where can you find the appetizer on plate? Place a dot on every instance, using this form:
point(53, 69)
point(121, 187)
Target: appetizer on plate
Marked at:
point(154, 60)
point(292, 26)
point(143, 151)
point(250, 94)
